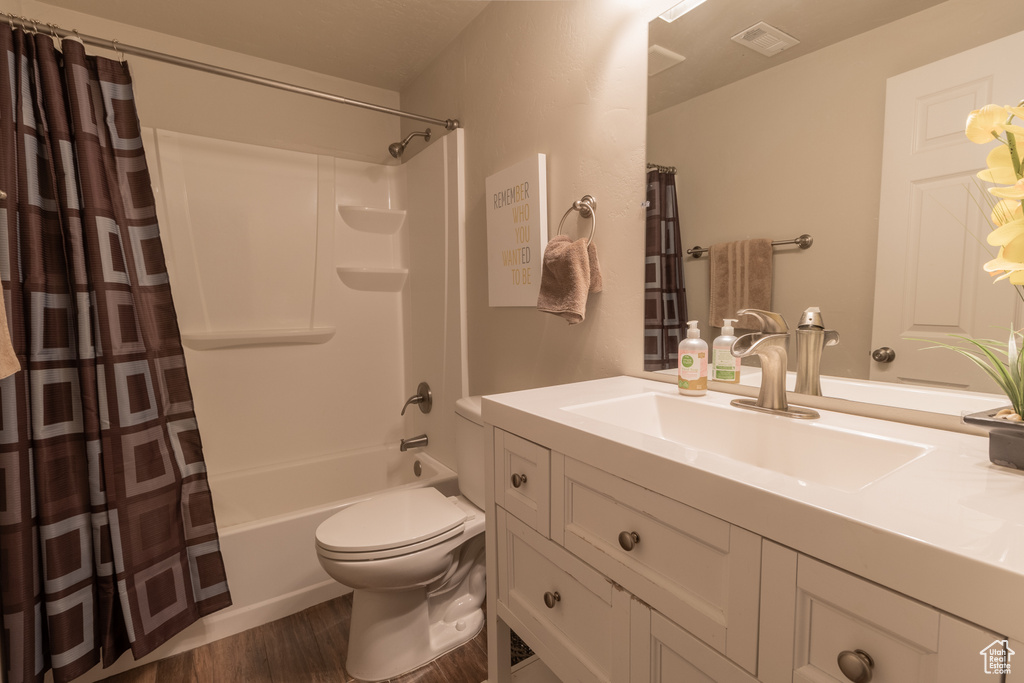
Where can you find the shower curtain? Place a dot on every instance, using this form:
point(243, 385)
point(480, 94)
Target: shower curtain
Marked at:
point(107, 535)
point(664, 290)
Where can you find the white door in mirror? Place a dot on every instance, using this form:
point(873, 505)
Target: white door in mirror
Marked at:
point(933, 219)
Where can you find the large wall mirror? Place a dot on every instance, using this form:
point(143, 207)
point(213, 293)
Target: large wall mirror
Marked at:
point(778, 146)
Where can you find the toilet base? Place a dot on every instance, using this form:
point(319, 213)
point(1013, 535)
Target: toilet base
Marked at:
point(394, 632)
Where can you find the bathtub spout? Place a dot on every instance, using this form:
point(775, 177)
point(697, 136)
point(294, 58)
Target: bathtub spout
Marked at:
point(414, 442)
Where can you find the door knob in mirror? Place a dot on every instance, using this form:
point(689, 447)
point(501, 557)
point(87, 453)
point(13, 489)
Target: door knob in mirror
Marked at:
point(883, 354)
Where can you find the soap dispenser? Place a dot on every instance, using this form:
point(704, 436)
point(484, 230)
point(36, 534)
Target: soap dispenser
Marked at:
point(725, 367)
point(693, 363)
point(811, 339)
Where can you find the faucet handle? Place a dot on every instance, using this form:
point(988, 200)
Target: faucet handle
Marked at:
point(423, 398)
point(771, 323)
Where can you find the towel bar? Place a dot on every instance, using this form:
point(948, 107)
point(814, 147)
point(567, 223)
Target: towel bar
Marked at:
point(587, 206)
point(803, 241)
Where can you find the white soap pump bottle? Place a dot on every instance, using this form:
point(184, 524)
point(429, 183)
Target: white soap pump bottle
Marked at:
point(725, 367)
point(693, 363)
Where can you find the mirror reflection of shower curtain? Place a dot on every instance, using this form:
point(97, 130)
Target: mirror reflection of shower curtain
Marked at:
point(107, 535)
point(664, 290)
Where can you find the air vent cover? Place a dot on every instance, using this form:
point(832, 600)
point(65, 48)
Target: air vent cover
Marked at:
point(765, 38)
point(660, 58)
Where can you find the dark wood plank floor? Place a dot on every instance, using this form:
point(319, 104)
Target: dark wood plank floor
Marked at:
point(308, 646)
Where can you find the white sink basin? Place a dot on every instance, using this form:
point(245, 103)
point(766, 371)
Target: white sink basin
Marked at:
point(811, 452)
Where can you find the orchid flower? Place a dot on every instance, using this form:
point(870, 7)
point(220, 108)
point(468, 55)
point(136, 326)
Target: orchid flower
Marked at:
point(1006, 211)
point(1014, 192)
point(1000, 167)
point(1006, 233)
point(986, 123)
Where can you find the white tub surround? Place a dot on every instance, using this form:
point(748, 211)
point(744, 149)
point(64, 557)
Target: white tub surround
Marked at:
point(747, 534)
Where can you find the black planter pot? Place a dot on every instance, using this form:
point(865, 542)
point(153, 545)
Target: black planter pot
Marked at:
point(1005, 439)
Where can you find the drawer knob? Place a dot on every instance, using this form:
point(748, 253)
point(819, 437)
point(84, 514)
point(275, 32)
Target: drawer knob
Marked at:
point(628, 539)
point(518, 480)
point(551, 599)
point(857, 665)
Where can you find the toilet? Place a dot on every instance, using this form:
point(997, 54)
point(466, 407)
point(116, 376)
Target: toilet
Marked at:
point(415, 561)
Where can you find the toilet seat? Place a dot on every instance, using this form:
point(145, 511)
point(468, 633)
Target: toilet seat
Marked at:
point(389, 525)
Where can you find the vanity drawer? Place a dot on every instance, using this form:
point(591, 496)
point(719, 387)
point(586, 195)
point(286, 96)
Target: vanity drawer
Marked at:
point(905, 641)
point(574, 618)
point(661, 652)
point(702, 572)
point(522, 483)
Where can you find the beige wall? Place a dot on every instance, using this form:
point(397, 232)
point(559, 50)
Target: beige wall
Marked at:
point(797, 149)
point(567, 79)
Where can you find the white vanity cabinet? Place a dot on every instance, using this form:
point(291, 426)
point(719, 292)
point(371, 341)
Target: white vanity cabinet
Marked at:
point(581, 555)
point(813, 615)
point(663, 652)
point(574, 618)
point(632, 539)
point(699, 571)
point(522, 479)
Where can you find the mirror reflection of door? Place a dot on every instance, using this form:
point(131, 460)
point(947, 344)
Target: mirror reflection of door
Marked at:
point(933, 219)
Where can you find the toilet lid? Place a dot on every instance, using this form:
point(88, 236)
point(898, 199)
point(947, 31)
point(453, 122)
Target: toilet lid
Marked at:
point(390, 520)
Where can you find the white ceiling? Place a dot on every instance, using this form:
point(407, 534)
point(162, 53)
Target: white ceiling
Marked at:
point(385, 43)
point(704, 37)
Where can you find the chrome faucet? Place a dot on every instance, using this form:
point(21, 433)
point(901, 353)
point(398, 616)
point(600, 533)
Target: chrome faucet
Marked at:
point(413, 442)
point(811, 339)
point(770, 346)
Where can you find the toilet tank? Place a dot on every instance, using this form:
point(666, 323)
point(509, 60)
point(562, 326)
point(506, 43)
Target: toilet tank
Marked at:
point(469, 449)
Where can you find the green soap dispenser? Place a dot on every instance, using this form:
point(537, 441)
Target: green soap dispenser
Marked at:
point(725, 367)
point(693, 363)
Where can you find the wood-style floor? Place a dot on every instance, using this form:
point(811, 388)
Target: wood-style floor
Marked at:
point(308, 646)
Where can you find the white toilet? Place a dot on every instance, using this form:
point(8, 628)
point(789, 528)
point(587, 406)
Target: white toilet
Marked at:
point(415, 560)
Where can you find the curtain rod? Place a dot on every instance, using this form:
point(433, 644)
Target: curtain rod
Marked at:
point(662, 169)
point(119, 48)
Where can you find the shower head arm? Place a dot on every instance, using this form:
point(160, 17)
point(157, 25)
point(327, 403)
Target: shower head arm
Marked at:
point(396, 148)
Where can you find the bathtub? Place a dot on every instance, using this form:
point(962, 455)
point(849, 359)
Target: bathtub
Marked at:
point(267, 519)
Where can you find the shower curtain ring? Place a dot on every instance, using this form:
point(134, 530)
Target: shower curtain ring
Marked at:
point(117, 51)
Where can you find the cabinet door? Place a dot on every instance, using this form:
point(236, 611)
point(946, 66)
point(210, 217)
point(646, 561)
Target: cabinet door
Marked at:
point(700, 571)
point(572, 616)
point(662, 652)
point(899, 639)
point(522, 479)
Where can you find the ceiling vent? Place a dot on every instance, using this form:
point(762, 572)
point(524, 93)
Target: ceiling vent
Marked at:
point(765, 39)
point(660, 58)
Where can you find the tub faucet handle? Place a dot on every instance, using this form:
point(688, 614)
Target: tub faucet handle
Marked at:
point(423, 398)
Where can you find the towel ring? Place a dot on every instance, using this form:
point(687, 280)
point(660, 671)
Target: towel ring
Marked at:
point(587, 206)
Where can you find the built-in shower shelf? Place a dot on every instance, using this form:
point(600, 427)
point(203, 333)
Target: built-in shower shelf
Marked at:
point(369, 219)
point(373, 279)
point(204, 341)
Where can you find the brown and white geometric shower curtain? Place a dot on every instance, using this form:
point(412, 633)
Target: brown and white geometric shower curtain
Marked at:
point(107, 534)
point(664, 291)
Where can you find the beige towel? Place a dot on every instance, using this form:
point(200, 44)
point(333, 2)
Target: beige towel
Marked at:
point(8, 360)
point(741, 277)
point(570, 273)
point(596, 281)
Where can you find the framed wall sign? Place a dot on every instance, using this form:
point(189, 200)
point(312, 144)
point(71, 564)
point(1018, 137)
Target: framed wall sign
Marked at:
point(517, 232)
